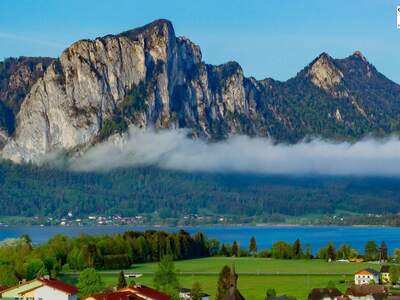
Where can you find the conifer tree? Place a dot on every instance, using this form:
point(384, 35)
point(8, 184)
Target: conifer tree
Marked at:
point(223, 282)
point(121, 280)
point(383, 252)
point(253, 245)
point(235, 249)
point(297, 253)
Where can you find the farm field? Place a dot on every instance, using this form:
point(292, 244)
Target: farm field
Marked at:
point(285, 276)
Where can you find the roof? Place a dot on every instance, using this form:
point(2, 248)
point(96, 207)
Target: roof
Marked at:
point(385, 269)
point(119, 295)
point(15, 291)
point(59, 285)
point(135, 292)
point(321, 293)
point(367, 289)
point(148, 292)
point(368, 271)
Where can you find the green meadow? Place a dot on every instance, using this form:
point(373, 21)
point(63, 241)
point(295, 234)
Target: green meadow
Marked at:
point(291, 277)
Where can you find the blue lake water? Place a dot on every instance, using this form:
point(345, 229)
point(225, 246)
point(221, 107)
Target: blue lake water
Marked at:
point(315, 236)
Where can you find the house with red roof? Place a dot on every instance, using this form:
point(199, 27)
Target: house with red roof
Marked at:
point(366, 276)
point(43, 288)
point(134, 292)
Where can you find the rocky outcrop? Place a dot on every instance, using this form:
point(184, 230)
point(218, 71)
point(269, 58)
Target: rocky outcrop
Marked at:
point(325, 75)
point(3, 138)
point(17, 75)
point(148, 77)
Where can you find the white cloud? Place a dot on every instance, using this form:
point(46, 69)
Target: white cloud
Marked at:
point(172, 149)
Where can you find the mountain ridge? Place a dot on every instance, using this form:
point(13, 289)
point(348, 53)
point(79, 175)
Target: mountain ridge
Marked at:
point(149, 77)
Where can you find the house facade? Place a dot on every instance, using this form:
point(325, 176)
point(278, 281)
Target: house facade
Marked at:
point(385, 274)
point(366, 276)
point(44, 288)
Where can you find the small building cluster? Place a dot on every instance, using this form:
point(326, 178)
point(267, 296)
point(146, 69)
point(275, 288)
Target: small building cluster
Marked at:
point(369, 284)
point(371, 276)
point(355, 292)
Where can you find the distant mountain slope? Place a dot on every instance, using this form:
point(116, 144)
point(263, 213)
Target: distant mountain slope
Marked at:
point(148, 77)
point(27, 190)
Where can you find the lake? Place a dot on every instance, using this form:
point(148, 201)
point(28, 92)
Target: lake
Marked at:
point(316, 236)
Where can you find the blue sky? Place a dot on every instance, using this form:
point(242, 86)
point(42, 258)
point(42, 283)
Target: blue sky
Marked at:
point(269, 38)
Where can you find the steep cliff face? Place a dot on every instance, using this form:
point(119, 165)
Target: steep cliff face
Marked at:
point(17, 75)
point(150, 77)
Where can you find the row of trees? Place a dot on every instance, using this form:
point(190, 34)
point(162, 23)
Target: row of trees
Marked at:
point(284, 250)
point(20, 259)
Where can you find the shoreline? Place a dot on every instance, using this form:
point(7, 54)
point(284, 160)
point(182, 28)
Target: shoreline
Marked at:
point(243, 225)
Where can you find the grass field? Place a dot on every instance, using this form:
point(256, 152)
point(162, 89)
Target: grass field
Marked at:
point(253, 287)
point(261, 265)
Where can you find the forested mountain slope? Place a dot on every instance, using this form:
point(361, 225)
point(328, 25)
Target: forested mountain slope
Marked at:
point(39, 191)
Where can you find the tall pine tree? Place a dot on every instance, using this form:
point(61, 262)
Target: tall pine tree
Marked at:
point(253, 245)
point(121, 280)
point(235, 249)
point(297, 252)
point(383, 252)
point(223, 282)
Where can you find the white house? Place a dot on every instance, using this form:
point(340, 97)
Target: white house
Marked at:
point(366, 276)
point(44, 288)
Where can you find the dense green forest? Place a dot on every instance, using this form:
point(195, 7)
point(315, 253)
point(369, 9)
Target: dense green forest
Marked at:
point(19, 258)
point(27, 190)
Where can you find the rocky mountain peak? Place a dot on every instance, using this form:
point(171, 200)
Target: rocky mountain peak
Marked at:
point(148, 77)
point(324, 73)
point(357, 67)
point(157, 26)
point(359, 55)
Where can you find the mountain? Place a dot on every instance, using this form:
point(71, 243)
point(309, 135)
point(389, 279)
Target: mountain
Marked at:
point(17, 75)
point(30, 191)
point(148, 77)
